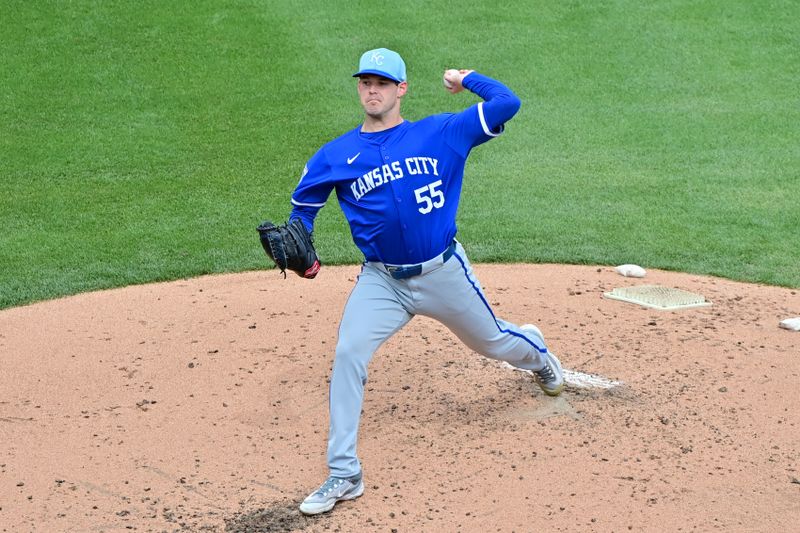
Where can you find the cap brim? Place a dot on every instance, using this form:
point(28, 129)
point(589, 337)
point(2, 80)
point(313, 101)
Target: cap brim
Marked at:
point(377, 73)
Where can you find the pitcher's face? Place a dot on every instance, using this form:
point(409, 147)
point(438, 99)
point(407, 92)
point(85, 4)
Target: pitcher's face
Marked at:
point(379, 96)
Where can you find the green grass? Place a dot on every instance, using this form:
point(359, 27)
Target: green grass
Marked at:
point(145, 140)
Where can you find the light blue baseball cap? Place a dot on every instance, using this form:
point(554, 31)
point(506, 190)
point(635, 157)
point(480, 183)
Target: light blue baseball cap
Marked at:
point(382, 62)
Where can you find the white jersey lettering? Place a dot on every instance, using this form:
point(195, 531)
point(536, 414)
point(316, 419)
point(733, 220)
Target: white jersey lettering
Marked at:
point(398, 170)
point(393, 171)
point(434, 164)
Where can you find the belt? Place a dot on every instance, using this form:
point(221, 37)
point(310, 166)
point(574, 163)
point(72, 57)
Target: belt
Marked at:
point(407, 271)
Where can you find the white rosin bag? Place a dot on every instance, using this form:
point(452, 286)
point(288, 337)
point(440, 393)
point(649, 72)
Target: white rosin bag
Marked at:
point(631, 271)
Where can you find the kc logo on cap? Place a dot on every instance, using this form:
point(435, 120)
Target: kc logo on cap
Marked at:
point(377, 58)
point(382, 62)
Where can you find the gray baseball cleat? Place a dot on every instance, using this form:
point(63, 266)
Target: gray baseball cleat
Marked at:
point(335, 489)
point(551, 377)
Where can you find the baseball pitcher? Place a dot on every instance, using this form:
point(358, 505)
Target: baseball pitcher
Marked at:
point(398, 183)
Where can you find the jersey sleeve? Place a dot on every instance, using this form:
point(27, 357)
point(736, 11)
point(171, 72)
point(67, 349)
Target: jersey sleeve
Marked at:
point(313, 190)
point(484, 120)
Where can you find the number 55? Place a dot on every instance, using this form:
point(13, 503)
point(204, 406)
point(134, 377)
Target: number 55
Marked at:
point(424, 195)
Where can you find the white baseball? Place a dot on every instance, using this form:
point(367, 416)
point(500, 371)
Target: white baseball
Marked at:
point(452, 72)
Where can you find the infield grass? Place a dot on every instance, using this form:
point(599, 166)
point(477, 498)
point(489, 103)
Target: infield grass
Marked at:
point(145, 140)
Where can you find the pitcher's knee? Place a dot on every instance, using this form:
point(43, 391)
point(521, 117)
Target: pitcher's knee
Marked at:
point(521, 350)
point(352, 359)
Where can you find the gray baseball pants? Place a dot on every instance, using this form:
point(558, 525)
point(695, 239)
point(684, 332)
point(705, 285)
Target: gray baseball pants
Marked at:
point(380, 305)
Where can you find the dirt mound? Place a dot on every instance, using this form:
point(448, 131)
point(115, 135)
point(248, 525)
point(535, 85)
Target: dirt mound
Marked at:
point(201, 405)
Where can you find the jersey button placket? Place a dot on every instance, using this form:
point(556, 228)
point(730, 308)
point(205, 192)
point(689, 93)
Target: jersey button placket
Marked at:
point(385, 155)
point(398, 200)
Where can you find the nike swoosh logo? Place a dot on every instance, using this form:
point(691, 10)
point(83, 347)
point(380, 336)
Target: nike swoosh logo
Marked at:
point(351, 159)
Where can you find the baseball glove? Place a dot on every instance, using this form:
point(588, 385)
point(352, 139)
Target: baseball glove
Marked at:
point(291, 247)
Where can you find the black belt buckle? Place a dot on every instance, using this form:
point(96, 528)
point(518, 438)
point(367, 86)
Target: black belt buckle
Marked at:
point(404, 272)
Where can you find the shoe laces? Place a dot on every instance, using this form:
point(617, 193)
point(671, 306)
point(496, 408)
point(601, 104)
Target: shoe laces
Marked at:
point(546, 374)
point(330, 484)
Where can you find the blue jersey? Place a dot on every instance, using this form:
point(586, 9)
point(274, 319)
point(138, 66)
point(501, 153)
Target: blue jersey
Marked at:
point(399, 188)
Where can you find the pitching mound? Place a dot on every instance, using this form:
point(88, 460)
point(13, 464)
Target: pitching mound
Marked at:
point(201, 405)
